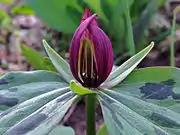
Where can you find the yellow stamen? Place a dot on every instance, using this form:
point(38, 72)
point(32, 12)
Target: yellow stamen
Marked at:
point(86, 53)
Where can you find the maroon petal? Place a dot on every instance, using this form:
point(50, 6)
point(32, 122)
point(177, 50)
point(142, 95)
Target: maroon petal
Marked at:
point(87, 13)
point(75, 44)
point(103, 51)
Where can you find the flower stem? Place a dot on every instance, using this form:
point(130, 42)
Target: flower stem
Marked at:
point(90, 114)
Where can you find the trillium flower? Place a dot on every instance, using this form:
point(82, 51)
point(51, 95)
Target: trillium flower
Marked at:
point(91, 59)
point(91, 62)
point(91, 53)
point(40, 99)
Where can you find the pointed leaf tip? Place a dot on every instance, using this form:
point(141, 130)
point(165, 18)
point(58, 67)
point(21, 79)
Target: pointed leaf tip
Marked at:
point(120, 73)
point(152, 44)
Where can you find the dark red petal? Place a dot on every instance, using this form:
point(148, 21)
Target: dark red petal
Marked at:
point(103, 51)
point(87, 13)
point(75, 44)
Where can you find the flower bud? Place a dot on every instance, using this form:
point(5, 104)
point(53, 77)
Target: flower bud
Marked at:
point(91, 54)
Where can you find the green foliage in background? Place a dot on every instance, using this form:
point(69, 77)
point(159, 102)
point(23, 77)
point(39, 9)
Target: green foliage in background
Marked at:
point(6, 1)
point(117, 17)
point(5, 19)
point(22, 9)
point(62, 15)
point(37, 59)
point(33, 57)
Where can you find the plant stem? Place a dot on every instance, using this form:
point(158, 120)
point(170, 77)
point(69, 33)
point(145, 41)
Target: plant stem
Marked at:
point(90, 114)
point(172, 62)
point(130, 38)
point(172, 51)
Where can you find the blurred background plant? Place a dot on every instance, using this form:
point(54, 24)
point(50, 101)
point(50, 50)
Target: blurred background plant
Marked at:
point(130, 24)
point(115, 17)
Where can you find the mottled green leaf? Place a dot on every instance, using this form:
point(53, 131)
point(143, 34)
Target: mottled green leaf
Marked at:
point(146, 102)
point(62, 130)
point(12, 116)
point(17, 87)
point(30, 101)
point(61, 65)
point(124, 120)
point(175, 107)
point(159, 85)
point(43, 120)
